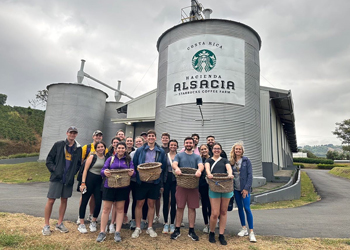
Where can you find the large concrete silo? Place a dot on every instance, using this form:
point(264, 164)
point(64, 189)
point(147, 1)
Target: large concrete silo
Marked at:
point(72, 105)
point(218, 61)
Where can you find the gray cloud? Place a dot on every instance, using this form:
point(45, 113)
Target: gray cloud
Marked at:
point(305, 48)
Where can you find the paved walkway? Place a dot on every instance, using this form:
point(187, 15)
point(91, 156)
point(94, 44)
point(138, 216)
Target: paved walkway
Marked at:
point(328, 218)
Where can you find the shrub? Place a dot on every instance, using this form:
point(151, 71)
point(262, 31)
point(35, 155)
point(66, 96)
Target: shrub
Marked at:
point(298, 164)
point(23, 155)
point(329, 166)
point(314, 160)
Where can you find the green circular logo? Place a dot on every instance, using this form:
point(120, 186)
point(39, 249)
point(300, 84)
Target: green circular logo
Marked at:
point(204, 61)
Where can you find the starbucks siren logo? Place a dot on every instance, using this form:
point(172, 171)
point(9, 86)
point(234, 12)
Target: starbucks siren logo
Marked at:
point(204, 61)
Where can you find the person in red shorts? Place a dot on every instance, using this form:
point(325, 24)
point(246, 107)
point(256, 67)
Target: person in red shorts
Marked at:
point(186, 195)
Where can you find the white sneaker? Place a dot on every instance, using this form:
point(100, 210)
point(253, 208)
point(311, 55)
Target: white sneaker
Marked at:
point(111, 229)
point(206, 229)
point(165, 229)
point(243, 232)
point(82, 229)
point(136, 233)
point(151, 232)
point(93, 226)
point(78, 220)
point(182, 224)
point(156, 220)
point(252, 237)
point(89, 218)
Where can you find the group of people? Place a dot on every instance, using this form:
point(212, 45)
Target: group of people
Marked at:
point(94, 162)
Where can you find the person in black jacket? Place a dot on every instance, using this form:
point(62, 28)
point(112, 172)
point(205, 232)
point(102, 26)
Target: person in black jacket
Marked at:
point(63, 162)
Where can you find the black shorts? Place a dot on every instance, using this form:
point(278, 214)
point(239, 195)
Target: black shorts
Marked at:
point(115, 194)
point(147, 190)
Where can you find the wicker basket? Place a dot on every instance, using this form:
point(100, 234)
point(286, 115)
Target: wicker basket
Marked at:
point(220, 183)
point(187, 179)
point(149, 171)
point(119, 178)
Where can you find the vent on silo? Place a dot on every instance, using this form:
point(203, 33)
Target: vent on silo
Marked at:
point(196, 12)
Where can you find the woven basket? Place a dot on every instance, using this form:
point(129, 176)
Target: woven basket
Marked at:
point(187, 179)
point(119, 178)
point(220, 183)
point(149, 171)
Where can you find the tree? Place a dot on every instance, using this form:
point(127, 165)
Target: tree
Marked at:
point(309, 153)
point(40, 98)
point(342, 131)
point(3, 99)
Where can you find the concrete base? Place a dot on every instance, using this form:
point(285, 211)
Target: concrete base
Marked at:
point(258, 181)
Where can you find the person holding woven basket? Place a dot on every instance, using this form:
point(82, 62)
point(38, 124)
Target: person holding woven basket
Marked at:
point(149, 153)
point(243, 174)
point(112, 195)
point(218, 200)
point(189, 196)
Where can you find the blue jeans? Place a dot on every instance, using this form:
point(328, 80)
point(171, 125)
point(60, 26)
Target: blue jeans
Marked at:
point(246, 204)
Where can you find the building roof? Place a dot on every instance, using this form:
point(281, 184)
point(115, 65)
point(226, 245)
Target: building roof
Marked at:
point(283, 102)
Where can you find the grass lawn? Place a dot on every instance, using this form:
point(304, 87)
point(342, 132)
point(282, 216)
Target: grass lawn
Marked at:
point(342, 172)
point(24, 172)
point(308, 195)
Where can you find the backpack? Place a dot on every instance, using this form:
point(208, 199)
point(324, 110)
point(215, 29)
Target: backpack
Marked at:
point(81, 170)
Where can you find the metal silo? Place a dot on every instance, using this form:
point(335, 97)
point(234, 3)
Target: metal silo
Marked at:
point(218, 61)
point(72, 105)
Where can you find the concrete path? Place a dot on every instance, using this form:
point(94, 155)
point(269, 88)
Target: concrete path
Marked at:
point(328, 218)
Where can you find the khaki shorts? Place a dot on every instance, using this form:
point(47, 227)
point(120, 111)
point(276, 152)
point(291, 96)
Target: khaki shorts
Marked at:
point(186, 195)
point(58, 190)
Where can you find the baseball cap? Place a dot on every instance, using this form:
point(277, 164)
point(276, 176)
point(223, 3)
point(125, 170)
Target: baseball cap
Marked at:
point(143, 133)
point(72, 129)
point(97, 132)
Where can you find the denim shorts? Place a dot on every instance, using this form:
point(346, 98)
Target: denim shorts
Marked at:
point(215, 195)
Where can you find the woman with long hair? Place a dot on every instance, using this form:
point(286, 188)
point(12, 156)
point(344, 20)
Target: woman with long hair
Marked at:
point(91, 185)
point(243, 174)
point(112, 195)
point(139, 141)
point(218, 201)
point(204, 189)
point(169, 183)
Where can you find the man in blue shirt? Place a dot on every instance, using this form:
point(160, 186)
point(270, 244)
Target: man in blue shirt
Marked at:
point(185, 195)
point(149, 152)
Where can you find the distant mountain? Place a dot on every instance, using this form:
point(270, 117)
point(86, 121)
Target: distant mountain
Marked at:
point(20, 130)
point(321, 150)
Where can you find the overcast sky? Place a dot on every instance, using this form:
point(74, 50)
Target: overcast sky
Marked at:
point(305, 48)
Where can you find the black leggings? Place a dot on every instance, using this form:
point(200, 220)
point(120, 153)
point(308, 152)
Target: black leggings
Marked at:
point(169, 189)
point(206, 208)
point(133, 206)
point(93, 185)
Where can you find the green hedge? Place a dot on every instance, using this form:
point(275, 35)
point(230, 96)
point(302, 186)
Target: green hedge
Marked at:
point(329, 166)
point(313, 160)
point(21, 155)
point(298, 164)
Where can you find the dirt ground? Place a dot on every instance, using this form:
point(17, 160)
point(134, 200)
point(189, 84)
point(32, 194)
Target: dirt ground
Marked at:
point(28, 228)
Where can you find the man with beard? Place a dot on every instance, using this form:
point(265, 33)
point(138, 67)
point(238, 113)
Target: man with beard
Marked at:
point(210, 143)
point(195, 147)
point(186, 195)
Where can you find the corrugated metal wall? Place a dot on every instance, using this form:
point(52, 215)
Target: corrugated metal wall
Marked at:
point(71, 105)
point(228, 123)
point(110, 128)
point(265, 126)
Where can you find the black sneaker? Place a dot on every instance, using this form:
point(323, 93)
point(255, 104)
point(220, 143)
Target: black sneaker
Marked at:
point(212, 237)
point(193, 236)
point(222, 240)
point(176, 234)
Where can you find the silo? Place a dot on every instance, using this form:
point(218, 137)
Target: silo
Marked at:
point(71, 104)
point(218, 61)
